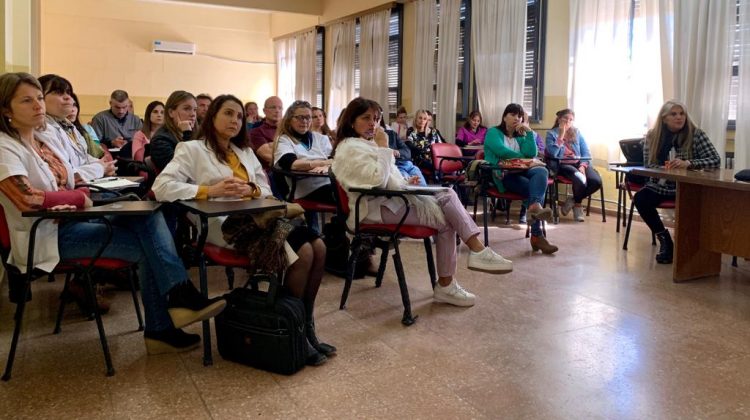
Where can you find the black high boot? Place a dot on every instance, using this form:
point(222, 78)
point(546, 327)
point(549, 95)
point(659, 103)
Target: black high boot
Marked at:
point(666, 248)
point(312, 338)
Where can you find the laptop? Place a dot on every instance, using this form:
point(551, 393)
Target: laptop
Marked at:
point(632, 149)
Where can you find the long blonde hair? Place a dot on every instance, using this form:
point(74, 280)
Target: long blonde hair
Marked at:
point(684, 138)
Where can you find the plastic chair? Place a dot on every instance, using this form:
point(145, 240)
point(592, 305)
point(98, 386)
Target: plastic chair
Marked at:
point(376, 232)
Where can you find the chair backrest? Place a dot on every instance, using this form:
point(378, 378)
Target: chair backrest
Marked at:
point(4, 235)
point(342, 200)
point(440, 150)
point(632, 149)
point(480, 155)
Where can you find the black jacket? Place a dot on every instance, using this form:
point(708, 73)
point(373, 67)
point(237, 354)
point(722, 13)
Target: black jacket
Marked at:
point(163, 144)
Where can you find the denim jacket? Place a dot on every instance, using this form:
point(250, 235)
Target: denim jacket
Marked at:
point(579, 146)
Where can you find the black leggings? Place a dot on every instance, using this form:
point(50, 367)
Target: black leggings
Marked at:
point(646, 201)
point(581, 190)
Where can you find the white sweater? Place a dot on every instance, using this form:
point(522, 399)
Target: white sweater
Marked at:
point(360, 163)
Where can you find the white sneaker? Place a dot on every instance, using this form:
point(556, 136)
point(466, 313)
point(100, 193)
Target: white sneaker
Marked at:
point(567, 206)
point(578, 214)
point(489, 261)
point(453, 294)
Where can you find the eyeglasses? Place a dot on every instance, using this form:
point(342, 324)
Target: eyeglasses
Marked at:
point(302, 118)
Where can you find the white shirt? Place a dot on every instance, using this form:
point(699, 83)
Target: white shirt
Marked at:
point(76, 156)
point(512, 144)
point(320, 149)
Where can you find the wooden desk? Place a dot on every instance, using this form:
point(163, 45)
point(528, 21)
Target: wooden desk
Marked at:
point(711, 219)
point(213, 208)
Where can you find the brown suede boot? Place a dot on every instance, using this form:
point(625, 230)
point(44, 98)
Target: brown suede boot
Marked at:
point(539, 243)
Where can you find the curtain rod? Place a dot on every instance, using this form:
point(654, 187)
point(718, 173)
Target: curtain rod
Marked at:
point(389, 5)
point(301, 31)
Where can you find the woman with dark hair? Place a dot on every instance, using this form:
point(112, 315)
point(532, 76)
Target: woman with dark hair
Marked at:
point(222, 165)
point(364, 160)
point(34, 176)
point(674, 142)
point(565, 142)
point(319, 124)
point(180, 120)
point(88, 133)
point(57, 129)
point(472, 132)
point(153, 121)
point(420, 139)
point(514, 139)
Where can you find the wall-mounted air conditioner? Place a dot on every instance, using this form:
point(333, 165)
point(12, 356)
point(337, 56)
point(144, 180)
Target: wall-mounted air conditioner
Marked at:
point(173, 47)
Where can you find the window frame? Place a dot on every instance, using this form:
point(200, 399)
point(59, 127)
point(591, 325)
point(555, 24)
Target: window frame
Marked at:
point(320, 71)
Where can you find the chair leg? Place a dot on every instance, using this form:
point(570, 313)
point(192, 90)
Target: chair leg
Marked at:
point(61, 308)
point(350, 266)
point(408, 318)
point(734, 261)
point(555, 200)
point(653, 239)
point(131, 279)
point(208, 359)
point(230, 277)
point(99, 325)
point(627, 228)
point(383, 262)
point(620, 192)
point(430, 261)
point(507, 211)
point(588, 206)
point(476, 197)
point(484, 219)
point(601, 196)
point(20, 307)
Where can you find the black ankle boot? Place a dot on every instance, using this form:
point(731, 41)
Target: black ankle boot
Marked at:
point(314, 357)
point(187, 305)
point(323, 348)
point(171, 340)
point(666, 248)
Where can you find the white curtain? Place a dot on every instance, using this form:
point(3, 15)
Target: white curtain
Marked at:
point(285, 69)
point(742, 133)
point(612, 92)
point(498, 46)
point(342, 73)
point(703, 36)
point(447, 68)
point(424, 55)
point(305, 88)
point(373, 57)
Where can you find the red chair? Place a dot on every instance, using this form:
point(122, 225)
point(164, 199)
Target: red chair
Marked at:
point(308, 205)
point(449, 163)
point(20, 287)
point(377, 231)
point(633, 188)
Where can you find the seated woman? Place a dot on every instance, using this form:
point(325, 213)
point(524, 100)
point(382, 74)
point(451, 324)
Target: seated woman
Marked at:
point(675, 143)
point(420, 139)
point(402, 154)
point(69, 143)
point(151, 124)
point(319, 124)
point(364, 160)
point(472, 132)
point(181, 110)
point(222, 164)
point(514, 139)
point(86, 131)
point(34, 176)
point(565, 142)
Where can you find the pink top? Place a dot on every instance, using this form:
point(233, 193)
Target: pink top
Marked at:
point(139, 145)
point(465, 136)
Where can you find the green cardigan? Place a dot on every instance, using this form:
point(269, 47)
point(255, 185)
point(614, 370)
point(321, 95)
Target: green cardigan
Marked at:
point(495, 150)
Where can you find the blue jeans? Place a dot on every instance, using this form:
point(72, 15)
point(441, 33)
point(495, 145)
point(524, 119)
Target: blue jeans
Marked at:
point(531, 184)
point(408, 170)
point(145, 240)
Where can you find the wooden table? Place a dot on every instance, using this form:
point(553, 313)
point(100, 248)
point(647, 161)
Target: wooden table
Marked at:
point(711, 211)
point(214, 208)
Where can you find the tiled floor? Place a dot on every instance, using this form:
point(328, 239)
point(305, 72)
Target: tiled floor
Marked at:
point(592, 332)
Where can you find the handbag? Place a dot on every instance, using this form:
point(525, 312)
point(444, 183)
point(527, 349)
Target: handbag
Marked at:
point(265, 330)
point(264, 219)
point(519, 163)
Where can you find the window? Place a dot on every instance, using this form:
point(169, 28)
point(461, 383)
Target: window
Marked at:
point(534, 61)
point(319, 66)
point(735, 80)
point(395, 29)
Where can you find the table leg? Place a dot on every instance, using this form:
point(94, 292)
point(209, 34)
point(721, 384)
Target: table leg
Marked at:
point(695, 216)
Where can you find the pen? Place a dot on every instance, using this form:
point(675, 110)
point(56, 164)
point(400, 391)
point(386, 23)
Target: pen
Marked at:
point(111, 178)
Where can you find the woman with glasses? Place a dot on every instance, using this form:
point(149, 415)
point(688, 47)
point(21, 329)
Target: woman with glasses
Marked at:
point(298, 148)
point(222, 165)
point(58, 98)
